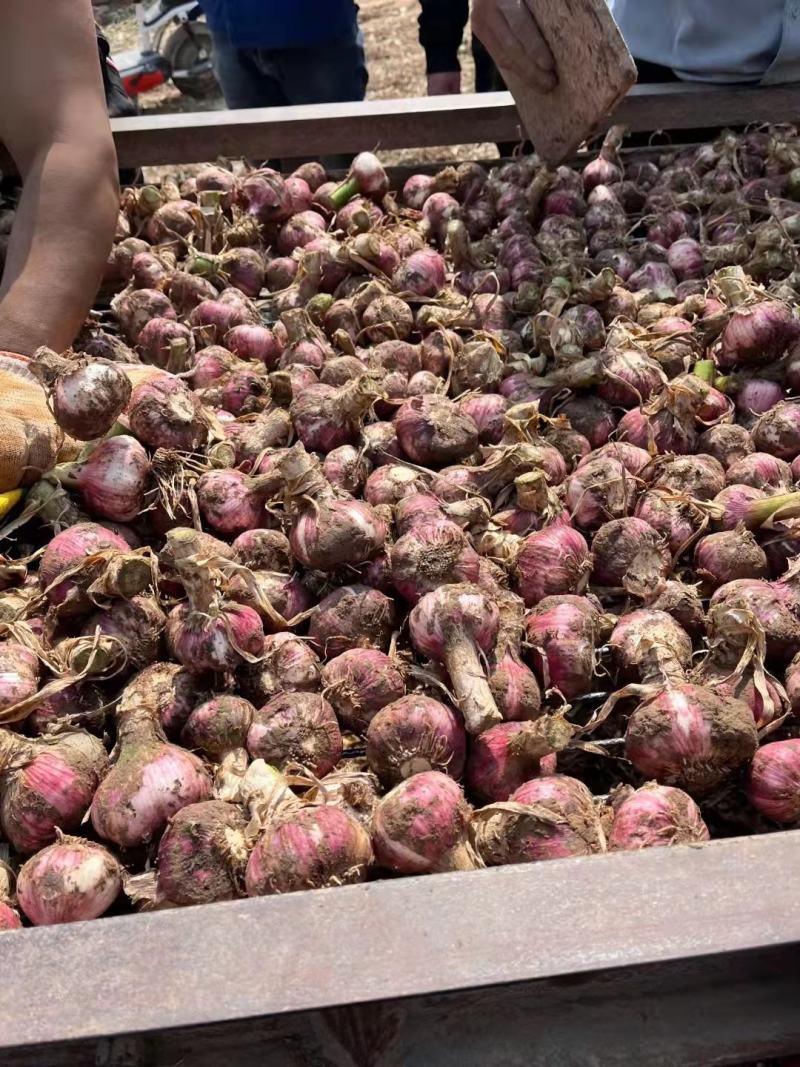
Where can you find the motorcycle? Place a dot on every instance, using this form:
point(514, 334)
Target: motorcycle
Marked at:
point(175, 45)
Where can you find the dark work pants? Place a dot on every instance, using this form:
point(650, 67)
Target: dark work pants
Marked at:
point(262, 77)
point(488, 79)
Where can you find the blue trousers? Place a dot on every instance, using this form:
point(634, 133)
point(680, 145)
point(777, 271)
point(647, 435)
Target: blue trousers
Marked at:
point(262, 77)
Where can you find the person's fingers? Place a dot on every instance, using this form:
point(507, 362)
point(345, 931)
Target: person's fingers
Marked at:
point(541, 53)
point(491, 25)
point(511, 34)
point(533, 60)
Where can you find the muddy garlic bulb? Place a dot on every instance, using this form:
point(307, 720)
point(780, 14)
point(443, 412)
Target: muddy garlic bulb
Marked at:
point(207, 633)
point(331, 529)
point(202, 854)
point(450, 625)
point(415, 734)
point(359, 683)
point(689, 737)
point(9, 917)
point(86, 396)
point(218, 729)
point(309, 848)
point(547, 818)
point(46, 785)
point(150, 781)
point(296, 728)
point(421, 827)
point(69, 881)
point(654, 816)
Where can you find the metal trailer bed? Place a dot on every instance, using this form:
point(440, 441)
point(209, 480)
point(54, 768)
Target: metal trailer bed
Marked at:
point(658, 958)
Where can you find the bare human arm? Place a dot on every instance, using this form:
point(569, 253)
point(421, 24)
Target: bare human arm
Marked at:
point(54, 124)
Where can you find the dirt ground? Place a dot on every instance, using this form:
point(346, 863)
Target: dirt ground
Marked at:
point(395, 59)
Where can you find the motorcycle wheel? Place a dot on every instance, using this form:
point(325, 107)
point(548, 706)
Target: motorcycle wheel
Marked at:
point(188, 49)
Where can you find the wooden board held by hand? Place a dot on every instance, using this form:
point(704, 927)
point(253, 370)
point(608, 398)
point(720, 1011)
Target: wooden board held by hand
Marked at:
point(595, 71)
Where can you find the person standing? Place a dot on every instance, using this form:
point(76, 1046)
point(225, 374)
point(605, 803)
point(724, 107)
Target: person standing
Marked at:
point(754, 42)
point(441, 31)
point(496, 24)
point(274, 53)
point(750, 42)
point(736, 42)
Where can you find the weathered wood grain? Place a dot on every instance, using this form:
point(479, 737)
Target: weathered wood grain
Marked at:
point(595, 71)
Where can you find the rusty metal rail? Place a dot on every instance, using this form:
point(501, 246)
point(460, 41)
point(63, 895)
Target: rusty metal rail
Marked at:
point(261, 133)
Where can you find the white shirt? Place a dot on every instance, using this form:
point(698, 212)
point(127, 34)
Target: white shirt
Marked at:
point(756, 41)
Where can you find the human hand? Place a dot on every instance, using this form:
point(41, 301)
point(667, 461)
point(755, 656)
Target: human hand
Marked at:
point(444, 83)
point(509, 31)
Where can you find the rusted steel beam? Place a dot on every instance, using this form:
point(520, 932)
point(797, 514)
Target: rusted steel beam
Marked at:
point(319, 129)
point(559, 921)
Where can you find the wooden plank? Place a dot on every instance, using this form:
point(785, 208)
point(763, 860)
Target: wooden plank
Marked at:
point(595, 71)
point(393, 939)
point(419, 123)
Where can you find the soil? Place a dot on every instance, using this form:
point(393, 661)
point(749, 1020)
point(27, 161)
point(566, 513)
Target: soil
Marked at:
point(395, 60)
